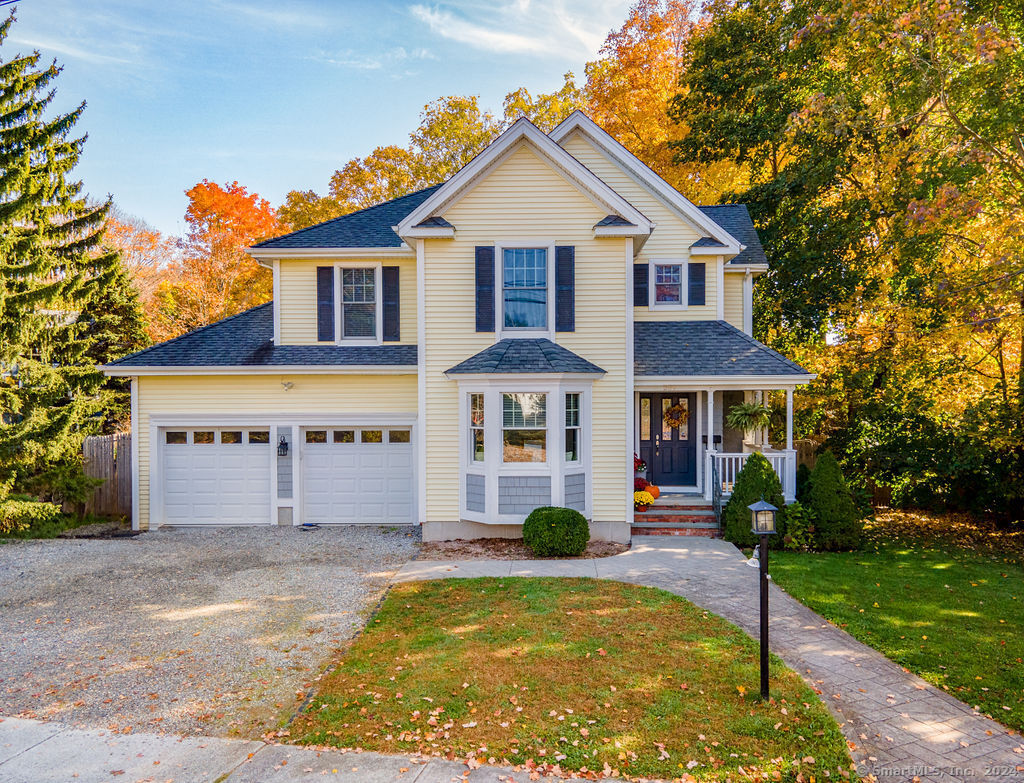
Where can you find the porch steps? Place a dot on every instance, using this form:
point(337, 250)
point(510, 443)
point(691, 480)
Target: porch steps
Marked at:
point(681, 516)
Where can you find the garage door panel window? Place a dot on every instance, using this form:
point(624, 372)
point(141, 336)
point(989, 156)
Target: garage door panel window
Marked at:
point(231, 437)
point(399, 436)
point(259, 437)
point(316, 436)
point(371, 436)
point(176, 438)
point(344, 436)
point(204, 437)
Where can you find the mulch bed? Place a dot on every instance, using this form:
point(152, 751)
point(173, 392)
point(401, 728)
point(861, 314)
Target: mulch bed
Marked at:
point(505, 549)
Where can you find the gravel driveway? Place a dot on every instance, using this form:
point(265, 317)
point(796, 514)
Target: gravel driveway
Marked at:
point(215, 631)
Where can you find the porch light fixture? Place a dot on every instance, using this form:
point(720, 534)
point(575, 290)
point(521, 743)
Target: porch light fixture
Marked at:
point(282, 447)
point(762, 524)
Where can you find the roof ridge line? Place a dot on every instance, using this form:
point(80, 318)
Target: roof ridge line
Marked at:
point(347, 214)
point(197, 330)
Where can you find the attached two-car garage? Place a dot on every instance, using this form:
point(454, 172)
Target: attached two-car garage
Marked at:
point(237, 475)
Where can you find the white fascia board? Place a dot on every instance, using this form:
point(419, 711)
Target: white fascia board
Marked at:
point(642, 173)
point(621, 231)
point(522, 129)
point(722, 382)
point(431, 232)
point(277, 369)
point(706, 250)
point(756, 269)
point(329, 252)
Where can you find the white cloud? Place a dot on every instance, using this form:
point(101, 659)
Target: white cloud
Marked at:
point(50, 47)
point(374, 62)
point(556, 28)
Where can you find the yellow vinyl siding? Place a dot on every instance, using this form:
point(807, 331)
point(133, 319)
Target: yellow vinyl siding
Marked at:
point(734, 300)
point(671, 238)
point(265, 398)
point(297, 291)
point(523, 199)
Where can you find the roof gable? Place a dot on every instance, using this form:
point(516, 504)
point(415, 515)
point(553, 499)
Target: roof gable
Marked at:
point(521, 132)
point(606, 145)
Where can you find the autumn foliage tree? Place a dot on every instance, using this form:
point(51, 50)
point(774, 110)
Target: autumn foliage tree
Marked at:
point(214, 277)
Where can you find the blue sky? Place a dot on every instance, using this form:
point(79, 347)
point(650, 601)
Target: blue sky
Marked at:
point(279, 95)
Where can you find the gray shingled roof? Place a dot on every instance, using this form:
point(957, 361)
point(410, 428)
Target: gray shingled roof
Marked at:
point(534, 355)
point(613, 220)
point(735, 219)
point(703, 348)
point(370, 227)
point(247, 340)
point(434, 221)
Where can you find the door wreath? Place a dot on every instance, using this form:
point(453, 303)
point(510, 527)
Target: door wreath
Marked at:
point(676, 416)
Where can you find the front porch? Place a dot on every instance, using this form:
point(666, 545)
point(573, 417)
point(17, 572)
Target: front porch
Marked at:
point(700, 459)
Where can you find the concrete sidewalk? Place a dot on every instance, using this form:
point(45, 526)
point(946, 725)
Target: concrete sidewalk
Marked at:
point(36, 752)
point(899, 727)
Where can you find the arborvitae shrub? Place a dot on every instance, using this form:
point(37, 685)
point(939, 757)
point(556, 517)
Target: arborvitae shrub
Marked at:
point(756, 480)
point(838, 522)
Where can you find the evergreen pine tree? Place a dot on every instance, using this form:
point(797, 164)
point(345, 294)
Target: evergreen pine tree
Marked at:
point(65, 301)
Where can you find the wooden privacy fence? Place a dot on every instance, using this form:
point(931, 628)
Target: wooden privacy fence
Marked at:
point(109, 457)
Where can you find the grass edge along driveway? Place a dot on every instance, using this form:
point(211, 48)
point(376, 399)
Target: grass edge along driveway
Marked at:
point(584, 674)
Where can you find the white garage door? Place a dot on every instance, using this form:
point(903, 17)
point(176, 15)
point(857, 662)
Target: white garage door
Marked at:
point(357, 475)
point(216, 476)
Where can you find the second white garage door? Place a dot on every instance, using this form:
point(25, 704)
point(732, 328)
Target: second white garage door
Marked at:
point(357, 475)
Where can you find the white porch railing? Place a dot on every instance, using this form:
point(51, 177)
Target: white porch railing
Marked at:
point(727, 467)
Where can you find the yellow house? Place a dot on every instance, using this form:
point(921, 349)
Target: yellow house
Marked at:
point(461, 355)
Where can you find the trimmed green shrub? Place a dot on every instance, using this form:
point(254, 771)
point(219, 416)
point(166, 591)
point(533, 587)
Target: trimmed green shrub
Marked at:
point(19, 514)
point(803, 482)
point(757, 479)
point(800, 528)
point(551, 531)
point(839, 522)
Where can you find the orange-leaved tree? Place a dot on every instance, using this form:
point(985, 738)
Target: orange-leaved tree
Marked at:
point(215, 278)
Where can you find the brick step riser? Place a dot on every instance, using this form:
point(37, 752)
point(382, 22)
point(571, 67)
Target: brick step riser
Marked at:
point(675, 519)
point(682, 509)
point(676, 531)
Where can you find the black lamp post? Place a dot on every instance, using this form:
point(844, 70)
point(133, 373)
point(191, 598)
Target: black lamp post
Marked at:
point(762, 524)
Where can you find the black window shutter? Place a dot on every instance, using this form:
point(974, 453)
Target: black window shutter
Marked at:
point(565, 289)
point(389, 301)
point(640, 289)
point(697, 285)
point(325, 304)
point(485, 289)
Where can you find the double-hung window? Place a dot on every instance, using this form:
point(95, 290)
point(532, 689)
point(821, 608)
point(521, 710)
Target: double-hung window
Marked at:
point(359, 303)
point(668, 284)
point(476, 427)
point(572, 427)
point(524, 427)
point(525, 288)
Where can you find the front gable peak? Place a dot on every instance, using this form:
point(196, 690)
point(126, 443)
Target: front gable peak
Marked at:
point(424, 220)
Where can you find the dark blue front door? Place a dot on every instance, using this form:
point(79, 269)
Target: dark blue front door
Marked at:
point(670, 452)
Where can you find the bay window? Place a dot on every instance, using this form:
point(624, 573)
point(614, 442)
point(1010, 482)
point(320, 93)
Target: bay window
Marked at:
point(524, 427)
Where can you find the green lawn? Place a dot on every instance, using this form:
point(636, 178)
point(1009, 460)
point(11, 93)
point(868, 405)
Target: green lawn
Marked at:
point(941, 595)
point(580, 673)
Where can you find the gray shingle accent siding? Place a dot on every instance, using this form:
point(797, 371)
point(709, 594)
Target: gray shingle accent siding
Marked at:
point(370, 227)
point(476, 493)
point(537, 355)
point(284, 464)
point(576, 491)
point(703, 348)
point(735, 219)
point(247, 340)
point(522, 494)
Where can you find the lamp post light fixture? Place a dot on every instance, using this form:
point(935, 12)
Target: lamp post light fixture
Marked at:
point(762, 524)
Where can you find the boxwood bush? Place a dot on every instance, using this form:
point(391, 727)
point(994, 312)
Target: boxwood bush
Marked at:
point(551, 531)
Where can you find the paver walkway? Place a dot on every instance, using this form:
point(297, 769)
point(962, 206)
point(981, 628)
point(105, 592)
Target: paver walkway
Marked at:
point(900, 727)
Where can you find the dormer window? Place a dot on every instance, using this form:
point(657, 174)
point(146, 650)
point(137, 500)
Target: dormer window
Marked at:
point(525, 288)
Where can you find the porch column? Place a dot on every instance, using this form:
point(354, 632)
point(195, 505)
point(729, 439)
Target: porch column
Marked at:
point(710, 450)
point(789, 419)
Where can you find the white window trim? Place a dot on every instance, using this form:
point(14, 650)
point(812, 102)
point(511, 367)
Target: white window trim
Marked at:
point(500, 247)
point(564, 428)
point(684, 284)
point(378, 294)
point(492, 467)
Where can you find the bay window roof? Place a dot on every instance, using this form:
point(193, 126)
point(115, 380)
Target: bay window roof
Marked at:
point(536, 355)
